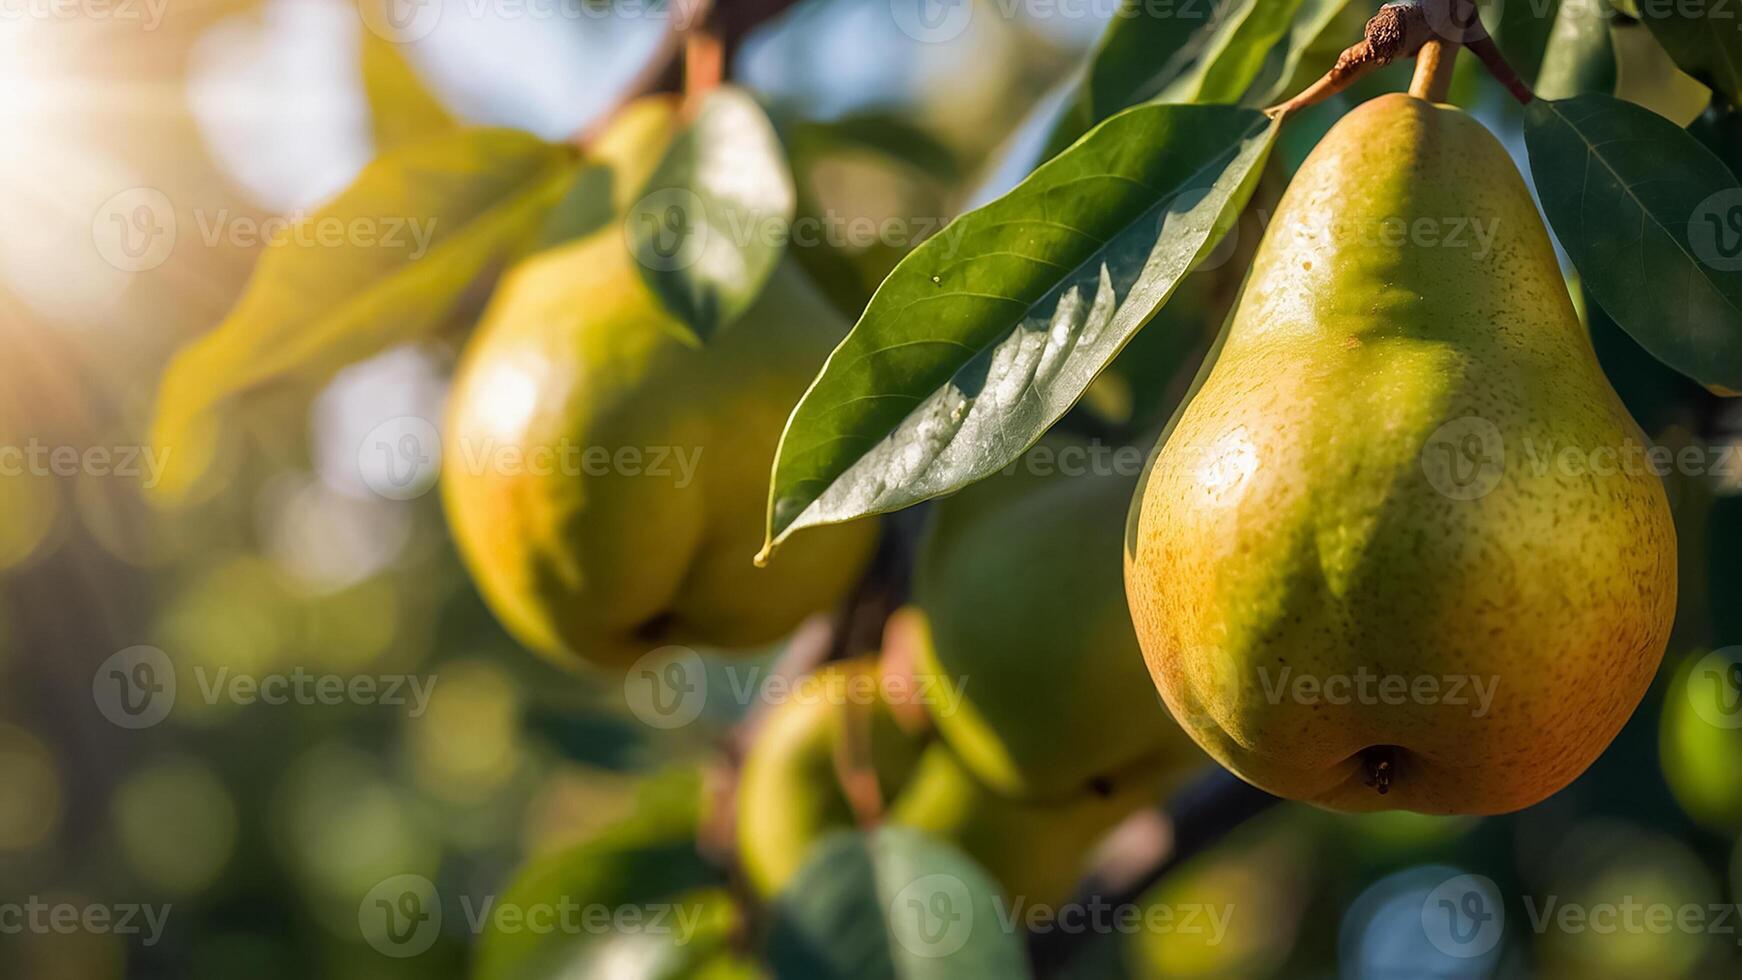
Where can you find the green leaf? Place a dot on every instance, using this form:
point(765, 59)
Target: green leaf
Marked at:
point(1579, 57)
point(712, 222)
point(401, 107)
point(1645, 75)
point(1521, 28)
point(1705, 39)
point(1244, 51)
point(1652, 220)
point(386, 261)
point(986, 334)
point(1719, 129)
point(1143, 48)
point(1315, 39)
point(892, 903)
point(647, 865)
point(1236, 54)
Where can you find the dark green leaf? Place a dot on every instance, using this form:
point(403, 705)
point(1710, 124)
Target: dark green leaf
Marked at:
point(1705, 39)
point(712, 222)
point(385, 262)
point(1320, 31)
point(1653, 222)
point(1521, 28)
point(1719, 129)
point(1146, 47)
point(1244, 51)
point(1143, 49)
point(1237, 52)
point(986, 334)
point(892, 903)
point(1579, 58)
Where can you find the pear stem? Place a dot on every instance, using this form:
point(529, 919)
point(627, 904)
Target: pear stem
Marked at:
point(1405, 29)
point(1433, 70)
point(1381, 768)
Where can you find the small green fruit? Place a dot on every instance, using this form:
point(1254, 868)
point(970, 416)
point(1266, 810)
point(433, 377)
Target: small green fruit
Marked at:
point(1701, 738)
point(1021, 582)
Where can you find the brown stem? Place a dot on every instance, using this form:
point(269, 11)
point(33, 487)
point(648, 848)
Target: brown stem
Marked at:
point(855, 769)
point(1488, 52)
point(1403, 29)
point(704, 67)
point(1398, 30)
point(695, 55)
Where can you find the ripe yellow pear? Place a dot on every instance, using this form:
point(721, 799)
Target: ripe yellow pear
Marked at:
point(1394, 553)
point(606, 479)
point(1019, 579)
point(790, 793)
point(1037, 850)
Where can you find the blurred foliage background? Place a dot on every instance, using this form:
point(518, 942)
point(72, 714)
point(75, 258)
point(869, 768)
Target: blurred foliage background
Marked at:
point(261, 826)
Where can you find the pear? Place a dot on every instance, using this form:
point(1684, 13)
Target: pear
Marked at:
point(605, 477)
point(1398, 551)
point(790, 791)
point(1037, 850)
point(1019, 580)
point(1700, 738)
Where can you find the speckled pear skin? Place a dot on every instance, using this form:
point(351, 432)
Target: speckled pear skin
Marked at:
point(1367, 481)
point(590, 560)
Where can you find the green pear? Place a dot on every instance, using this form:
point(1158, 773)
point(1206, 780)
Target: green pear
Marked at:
point(1700, 738)
point(1398, 551)
point(790, 791)
point(606, 478)
point(1038, 851)
point(1019, 579)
